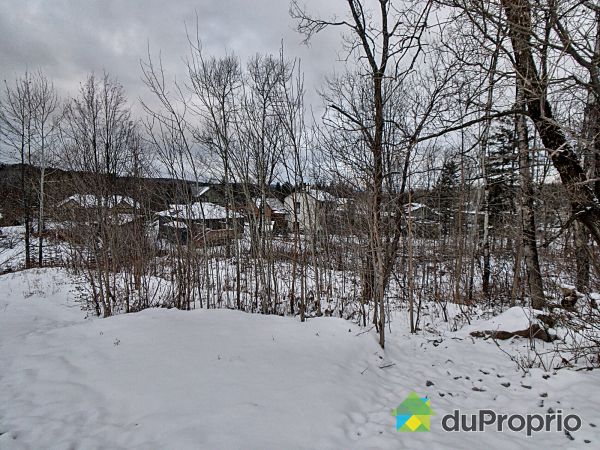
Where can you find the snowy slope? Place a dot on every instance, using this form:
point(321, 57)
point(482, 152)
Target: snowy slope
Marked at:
point(222, 379)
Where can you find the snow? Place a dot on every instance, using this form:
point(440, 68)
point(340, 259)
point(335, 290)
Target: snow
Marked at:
point(11, 248)
point(275, 204)
point(198, 191)
point(414, 206)
point(223, 379)
point(92, 201)
point(176, 224)
point(513, 319)
point(197, 211)
point(123, 219)
point(320, 195)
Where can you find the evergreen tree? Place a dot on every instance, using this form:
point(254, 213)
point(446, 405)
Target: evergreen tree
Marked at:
point(501, 172)
point(446, 192)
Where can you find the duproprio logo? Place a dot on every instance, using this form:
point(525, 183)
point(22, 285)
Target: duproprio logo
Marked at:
point(413, 414)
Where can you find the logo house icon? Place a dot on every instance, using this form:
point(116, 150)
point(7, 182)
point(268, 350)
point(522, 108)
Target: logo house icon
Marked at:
point(413, 414)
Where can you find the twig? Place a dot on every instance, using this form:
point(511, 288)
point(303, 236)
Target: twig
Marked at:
point(366, 331)
point(387, 365)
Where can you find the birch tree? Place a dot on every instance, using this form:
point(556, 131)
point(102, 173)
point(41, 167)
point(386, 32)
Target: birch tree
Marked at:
point(46, 122)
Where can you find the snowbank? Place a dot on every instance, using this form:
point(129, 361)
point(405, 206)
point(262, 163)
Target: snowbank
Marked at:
point(170, 379)
point(221, 379)
point(513, 319)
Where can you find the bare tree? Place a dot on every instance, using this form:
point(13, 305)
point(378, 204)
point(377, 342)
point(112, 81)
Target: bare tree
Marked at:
point(17, 132)
point(99, 139)
point(518, 17)
point(216, 84)
point(46, 122)
point(386, 41)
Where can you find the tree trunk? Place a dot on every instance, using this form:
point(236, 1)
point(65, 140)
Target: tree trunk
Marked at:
point(530, 251)
point(41, 209)
point(582, 257)
point(584, 203)
point(26, 211)
point(591, 156)
point(377, 151)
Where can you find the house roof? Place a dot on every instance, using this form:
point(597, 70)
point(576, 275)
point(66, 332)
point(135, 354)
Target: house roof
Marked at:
point(197, 211)
point(320, 195)
point(317, 194)
point(176, 224)
point(413, 207)
point(198, 191)
point(92, 201)
point(275, 204)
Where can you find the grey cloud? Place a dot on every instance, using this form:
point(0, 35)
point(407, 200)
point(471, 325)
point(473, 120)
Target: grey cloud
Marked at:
point(69, 38)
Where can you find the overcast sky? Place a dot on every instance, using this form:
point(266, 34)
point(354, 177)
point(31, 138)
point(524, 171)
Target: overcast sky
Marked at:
point(69, 38)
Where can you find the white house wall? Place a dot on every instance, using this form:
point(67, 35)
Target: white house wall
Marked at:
point(307, 216)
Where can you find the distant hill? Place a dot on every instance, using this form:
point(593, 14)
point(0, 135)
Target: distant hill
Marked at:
point(152, 193)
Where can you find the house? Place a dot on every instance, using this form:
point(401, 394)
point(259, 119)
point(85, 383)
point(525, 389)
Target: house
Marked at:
point(421, 213)
point(308, 209)
point(90, 201)
point(115, 209)
point(425, 220)
point(275, 213)
point(344, 216)
point(204, 223)
point(211, 194)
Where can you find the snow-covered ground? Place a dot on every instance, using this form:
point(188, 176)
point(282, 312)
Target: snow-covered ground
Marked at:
point(12, 249)
point(222, 379)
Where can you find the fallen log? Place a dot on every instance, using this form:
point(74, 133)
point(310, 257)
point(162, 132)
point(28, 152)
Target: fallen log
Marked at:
point(535, 331)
